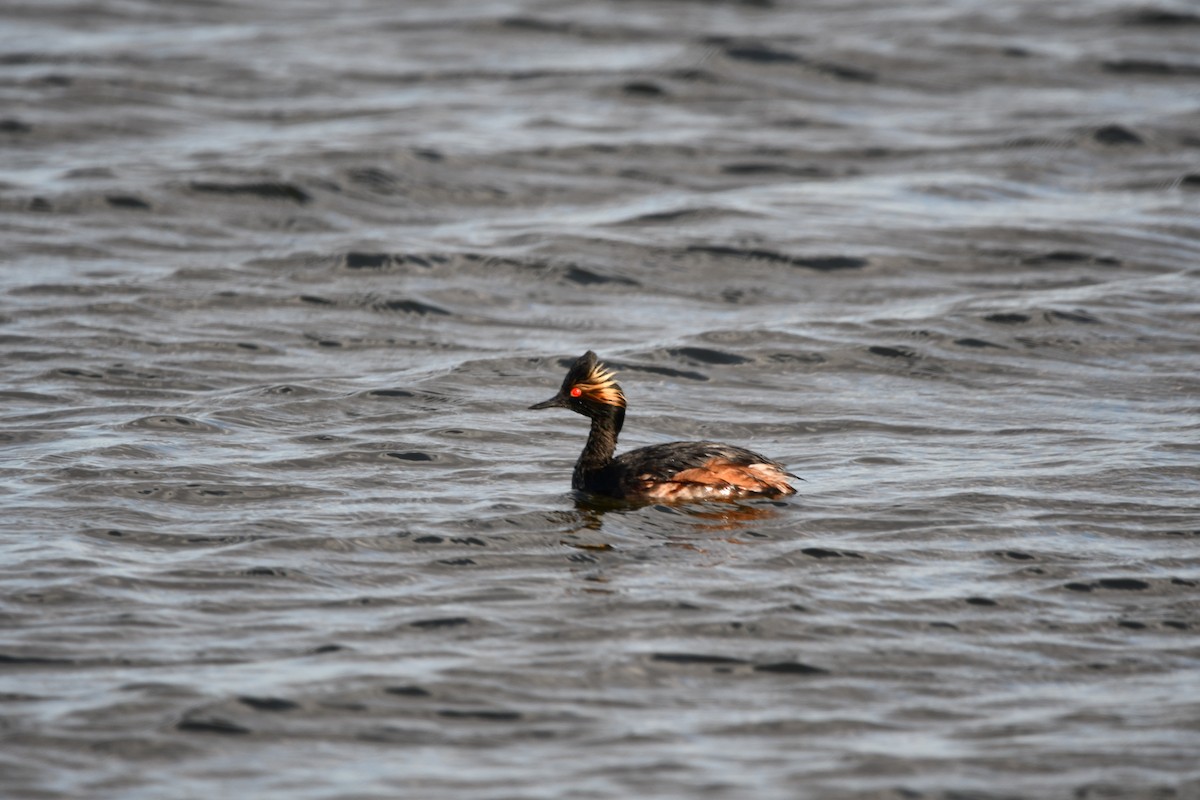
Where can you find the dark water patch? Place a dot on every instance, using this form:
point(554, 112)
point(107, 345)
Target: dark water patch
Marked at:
point(127, 201)
point(316, 300)
point(266, 190)
point(362, 260)
point(7, 659)
point(266, 572)
point(1190, 181)
point(766, 168)
point(290, 390)
point(89, 173)
point(218, 725)
point(585, 277)
point(696, 658)
point(761, 54)
point(429, 539)
point(643, 89)
point(1011, 318)
point(765, 55)
point(879, 461)
point(535, 24)
point(1131, 624)
point(1080, 317)
point(1116, 135)
point(407, 691)
point(1070, 257)
point(666, 372)
point(893, 352)
point(273, 704)
point(845, 72)
point(1116, 584)
point(1157, 15)
point(978, 343)
point(12, 125)
point(458, 562)
point(1176, 624)
point(690, 214)
point(822, 553)
point(487, 715)
point(411, 455)
point(707, 356)
point(389, 393)
point(1123, 584)
point(411, 307)
point(819, 263)
point(377, 180)
point(324, 649)
point(830, 263)
point(981, 601)
point(427, 260)
point(1149, 66)
point(1015, 555)
point(73, 372)
point(440, 622)
point(406, 736)
point(172, 422)
point(790, 668)
point(357, 260)
point(681, 214)
point(62, 289)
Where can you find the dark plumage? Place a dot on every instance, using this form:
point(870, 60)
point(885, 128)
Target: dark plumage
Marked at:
point(677, 471)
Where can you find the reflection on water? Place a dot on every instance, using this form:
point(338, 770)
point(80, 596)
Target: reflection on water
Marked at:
point(692, 519)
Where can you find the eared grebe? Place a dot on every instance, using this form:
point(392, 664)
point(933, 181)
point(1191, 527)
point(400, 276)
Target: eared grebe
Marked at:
point(677, 471)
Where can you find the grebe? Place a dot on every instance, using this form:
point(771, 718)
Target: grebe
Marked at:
point(673, 472)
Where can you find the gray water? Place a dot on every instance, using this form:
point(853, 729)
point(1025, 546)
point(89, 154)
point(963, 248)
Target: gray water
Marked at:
point(279, 283)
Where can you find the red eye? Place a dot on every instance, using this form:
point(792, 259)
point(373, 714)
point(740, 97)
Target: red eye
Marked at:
point(576, 391)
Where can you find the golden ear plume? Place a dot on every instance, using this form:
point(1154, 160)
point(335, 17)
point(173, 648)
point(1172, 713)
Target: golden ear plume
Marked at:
point(601, 385)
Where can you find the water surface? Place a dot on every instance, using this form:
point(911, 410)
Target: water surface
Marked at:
point(280, 283)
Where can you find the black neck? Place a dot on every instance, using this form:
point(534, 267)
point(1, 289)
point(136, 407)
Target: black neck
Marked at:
point(601, 444)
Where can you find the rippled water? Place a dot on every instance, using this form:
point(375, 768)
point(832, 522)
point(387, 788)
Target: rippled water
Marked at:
point(280, 282)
